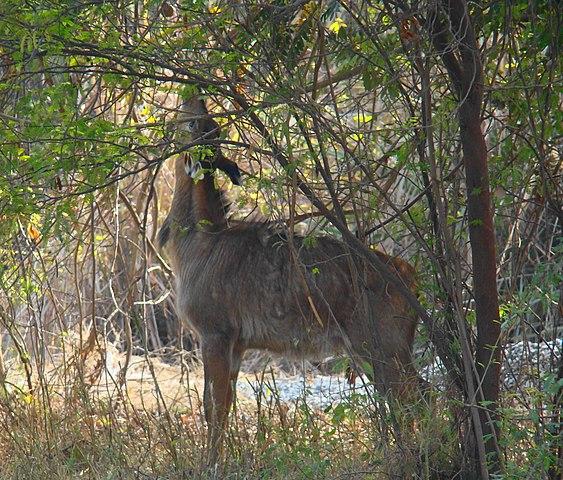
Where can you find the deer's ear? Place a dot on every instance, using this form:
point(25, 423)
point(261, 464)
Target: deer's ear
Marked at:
point(230, 168)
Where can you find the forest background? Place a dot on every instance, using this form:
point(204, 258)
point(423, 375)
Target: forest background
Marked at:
point(429, 130)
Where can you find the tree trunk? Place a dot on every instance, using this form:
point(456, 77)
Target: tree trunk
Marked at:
point(482, 239)
point(454, 38)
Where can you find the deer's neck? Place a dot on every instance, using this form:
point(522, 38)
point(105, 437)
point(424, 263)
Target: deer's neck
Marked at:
point(197, 204)
point(208, 206)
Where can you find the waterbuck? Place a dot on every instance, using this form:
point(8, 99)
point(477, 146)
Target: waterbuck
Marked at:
point(255, 286)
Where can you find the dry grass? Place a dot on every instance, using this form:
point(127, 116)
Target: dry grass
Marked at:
point(81, 422)
point(152, 427)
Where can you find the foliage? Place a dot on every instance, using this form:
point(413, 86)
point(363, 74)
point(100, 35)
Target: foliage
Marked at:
point(88, 98)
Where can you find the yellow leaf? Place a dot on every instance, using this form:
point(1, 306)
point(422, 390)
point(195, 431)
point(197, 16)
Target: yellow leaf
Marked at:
point(335, 26)
point(33, 233)
point(363, 118)
point(308, 9)
point(234, 135)
point(357, 136)
point(214, 9)
point(103, 421)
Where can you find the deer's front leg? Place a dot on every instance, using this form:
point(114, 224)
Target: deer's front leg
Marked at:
point(217, 394)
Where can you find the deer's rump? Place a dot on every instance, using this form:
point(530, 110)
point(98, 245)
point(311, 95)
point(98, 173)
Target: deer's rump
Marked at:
point(294, 297)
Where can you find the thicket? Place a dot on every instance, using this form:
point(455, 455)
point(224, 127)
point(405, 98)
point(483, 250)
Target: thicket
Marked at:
point(358, 119)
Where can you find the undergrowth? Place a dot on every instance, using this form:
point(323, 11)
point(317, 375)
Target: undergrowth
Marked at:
point(46, 436)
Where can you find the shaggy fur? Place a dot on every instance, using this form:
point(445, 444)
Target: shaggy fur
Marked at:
point(253, 287)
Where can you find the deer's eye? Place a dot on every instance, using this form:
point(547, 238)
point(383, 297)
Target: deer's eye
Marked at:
point(191, 126)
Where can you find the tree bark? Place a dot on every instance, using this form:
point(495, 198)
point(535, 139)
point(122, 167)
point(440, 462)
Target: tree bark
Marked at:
point(454, 38)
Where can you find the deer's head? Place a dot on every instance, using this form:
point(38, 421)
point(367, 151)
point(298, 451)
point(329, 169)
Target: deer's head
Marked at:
point(195, 125)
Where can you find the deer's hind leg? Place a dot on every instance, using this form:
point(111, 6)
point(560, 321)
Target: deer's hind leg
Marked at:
point(383, 338)
point(221, 362)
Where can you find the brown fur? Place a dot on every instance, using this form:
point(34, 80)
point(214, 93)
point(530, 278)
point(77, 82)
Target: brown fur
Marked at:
point(252, 287)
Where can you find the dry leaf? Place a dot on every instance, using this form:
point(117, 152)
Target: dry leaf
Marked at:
point(33, 233)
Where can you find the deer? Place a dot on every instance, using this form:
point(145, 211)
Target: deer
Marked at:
point(254, 285)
